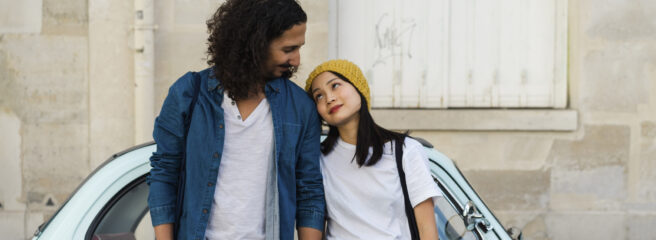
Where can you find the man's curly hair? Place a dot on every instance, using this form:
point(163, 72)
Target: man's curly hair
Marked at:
point(240, 33)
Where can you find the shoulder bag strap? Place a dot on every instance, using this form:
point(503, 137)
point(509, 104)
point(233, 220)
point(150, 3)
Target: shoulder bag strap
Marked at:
point(409, 211)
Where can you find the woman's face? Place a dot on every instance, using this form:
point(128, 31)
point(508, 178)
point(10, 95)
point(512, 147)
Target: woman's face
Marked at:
point(338, 102)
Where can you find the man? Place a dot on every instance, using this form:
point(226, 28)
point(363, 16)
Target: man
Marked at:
point(252, 149)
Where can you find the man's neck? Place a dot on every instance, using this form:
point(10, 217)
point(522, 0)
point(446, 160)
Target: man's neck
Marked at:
point(248, 105)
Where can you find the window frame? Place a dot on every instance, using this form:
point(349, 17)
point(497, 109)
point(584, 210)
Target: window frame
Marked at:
point(562, 117)
point(560, 81)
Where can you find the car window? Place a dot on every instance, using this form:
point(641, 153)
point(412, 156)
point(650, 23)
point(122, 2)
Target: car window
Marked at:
point(450, 224)
point(448, 212)
point(125, 216)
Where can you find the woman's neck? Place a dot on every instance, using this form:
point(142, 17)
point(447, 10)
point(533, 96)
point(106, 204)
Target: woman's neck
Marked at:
point(348, 132)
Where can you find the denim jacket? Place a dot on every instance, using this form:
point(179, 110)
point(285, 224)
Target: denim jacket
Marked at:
point(297, 130)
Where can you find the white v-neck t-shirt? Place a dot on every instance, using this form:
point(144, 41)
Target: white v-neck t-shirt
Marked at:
point(367, 202)
point(239, 205)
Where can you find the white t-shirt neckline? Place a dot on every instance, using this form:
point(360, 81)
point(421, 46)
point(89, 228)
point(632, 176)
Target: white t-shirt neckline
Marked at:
point(261, 108)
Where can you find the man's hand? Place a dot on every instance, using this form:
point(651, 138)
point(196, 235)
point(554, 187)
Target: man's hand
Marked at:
point(164, 231)
point(308, 233)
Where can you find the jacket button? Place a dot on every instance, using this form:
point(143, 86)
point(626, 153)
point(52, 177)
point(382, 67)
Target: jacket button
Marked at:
point(216, 155)
point(209, 184)
point(205, 211)
point(220, 125)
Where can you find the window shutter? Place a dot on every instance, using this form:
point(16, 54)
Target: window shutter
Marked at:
point(456, 53)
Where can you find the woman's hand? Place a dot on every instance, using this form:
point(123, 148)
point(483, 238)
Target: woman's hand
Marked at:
point(426, 220)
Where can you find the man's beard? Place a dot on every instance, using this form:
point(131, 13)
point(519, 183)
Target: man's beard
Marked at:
point(286, 74)
point(289, 73)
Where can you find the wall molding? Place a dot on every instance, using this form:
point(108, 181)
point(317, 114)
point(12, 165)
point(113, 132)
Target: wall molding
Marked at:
point(478, 119)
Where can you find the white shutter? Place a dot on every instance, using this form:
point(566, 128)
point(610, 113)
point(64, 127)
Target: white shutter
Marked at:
point(456, 53)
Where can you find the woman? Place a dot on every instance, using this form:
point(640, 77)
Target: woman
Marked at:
point(364, 194)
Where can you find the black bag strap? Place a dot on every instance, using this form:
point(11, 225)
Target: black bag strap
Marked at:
point(182, 174)
point(409, 211)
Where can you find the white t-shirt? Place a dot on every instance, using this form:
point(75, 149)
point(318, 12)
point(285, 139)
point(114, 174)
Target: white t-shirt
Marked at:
point(238, 209)
point(367, 202)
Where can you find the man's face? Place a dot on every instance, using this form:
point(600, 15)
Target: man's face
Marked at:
point(284, 51)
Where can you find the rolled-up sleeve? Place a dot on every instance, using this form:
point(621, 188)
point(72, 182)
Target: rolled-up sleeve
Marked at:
point(311, 204)
point(165, 162)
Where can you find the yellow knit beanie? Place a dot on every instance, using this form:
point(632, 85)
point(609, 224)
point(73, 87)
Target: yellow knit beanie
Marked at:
point(347, 69)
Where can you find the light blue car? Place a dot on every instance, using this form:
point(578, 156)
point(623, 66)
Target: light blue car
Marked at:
point(112, 203)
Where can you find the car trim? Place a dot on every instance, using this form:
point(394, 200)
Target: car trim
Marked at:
point(467, 195)
point(451, 196)
point(483, 202)
point(108, 206)
point(110, 159)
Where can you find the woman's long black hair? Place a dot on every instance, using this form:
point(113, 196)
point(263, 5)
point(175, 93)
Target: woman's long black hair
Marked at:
point(370, 135)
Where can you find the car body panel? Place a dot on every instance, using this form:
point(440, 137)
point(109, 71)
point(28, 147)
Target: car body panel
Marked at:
point(75, 217)
point(447, 172)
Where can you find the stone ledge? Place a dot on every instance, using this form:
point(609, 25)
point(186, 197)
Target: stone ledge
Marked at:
point(478, 119)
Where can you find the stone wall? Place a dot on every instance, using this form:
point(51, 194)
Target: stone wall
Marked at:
point(66, 104)
point(44, 110)
point(597, 182)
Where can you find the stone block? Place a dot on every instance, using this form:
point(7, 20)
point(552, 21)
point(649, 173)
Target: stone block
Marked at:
point(577, 225)
point(56, 160)
point(620, 21)
point(12, 225)
point(11, 190)
point(45, 78)
point(32, 222)
point(641, 227)
point(617, 47)
point(531, 223)
point(20, 16)
point(602, 145)
point(606, 67)
point(601, 188)
point(647, 170)
point(194, 12)
point(505, 190)
point(66, 17)
point(648, 130)
point(173, 61)
point(490, 150)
